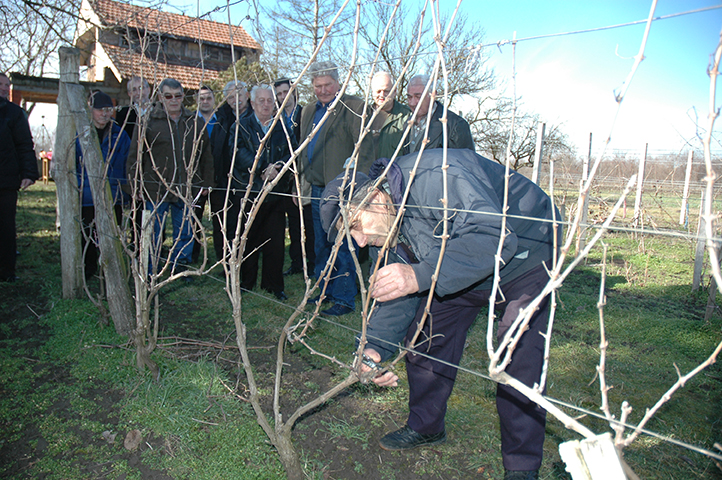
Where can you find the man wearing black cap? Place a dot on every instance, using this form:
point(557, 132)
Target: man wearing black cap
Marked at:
point(114, 145)
point(18, 170)
point(475, 198)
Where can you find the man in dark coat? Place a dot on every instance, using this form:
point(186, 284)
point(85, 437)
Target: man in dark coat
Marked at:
point(267, 233)
point(114, 146)
point(128, 118)
point(236, 106)
point(18, 169)
point(458, 129)
point(292, 116)
point(476, 194)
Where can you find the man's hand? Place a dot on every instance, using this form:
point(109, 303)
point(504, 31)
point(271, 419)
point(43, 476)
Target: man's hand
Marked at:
point(270, 173)
point(388, 379)
point(394, 281)
point(25, 183)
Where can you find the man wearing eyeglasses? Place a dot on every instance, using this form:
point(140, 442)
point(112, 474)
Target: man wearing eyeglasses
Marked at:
point(175, 167)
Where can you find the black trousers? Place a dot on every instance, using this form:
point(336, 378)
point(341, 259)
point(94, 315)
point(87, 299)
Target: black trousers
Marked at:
point(198, 210)
point(294, 233)
point(8, 239)
point(217, 199)
point(89, 241)
point(266, 236)
point(430, 383)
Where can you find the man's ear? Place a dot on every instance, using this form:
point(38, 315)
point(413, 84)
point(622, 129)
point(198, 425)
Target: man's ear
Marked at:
point(377, 199)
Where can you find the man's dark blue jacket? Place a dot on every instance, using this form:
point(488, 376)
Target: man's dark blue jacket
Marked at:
point(475, 190)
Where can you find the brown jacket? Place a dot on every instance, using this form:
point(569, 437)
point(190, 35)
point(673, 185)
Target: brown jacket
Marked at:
point(171, 161)
point(336, 141)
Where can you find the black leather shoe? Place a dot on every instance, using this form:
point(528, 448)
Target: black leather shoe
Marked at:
point(521, 474)
point(337, 310)
point(406, 438)
point(281, 296)
point(293, 271)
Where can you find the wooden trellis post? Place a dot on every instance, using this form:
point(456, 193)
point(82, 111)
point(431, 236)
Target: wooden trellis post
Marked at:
point(683, 211)
point(538, 153)
point(66, 183)
point(699, 251)
point(640, 182)
point(582, 231)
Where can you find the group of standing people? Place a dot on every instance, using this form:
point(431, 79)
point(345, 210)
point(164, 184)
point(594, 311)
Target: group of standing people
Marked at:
point(175, 160)
point(187, 159)
point(335, 141)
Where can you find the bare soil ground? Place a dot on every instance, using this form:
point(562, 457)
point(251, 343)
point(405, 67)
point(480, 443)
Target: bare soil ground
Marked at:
point(351, 455)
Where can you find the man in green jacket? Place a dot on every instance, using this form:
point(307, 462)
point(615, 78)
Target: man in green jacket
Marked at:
point(321, 161)
point(174, 167)
point(390, 123)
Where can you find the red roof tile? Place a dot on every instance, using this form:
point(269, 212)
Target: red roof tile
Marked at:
point(131, 63)
point(114, 13)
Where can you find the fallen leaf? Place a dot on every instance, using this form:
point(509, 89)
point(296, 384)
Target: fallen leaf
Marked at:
point(109, 437)
point(132, 440)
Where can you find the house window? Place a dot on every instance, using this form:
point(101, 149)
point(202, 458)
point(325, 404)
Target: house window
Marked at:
point(193, 50)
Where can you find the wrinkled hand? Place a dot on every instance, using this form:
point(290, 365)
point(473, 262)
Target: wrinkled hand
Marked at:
point(270, 173)
point(394, 281)
point(25, 183)
point(388, 379)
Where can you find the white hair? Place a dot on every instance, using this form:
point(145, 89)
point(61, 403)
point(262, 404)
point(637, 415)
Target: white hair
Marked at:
point(231, 85)
point(257, 88)
point(418, 80)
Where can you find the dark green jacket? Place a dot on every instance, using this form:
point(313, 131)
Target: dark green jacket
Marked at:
point(388, 128)
point(336, 141)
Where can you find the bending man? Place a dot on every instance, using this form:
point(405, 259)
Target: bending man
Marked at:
point(475, 199)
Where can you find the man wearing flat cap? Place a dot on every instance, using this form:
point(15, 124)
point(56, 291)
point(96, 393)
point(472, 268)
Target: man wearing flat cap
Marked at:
point(114, 145)
point(475, 198)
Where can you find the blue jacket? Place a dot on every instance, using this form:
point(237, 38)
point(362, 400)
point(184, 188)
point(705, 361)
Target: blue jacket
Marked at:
point(475, 197)
point(117, 142)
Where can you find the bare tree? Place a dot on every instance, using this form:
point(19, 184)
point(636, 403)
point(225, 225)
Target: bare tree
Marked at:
point(492, 134)
point(33, 33)
point(292, 30)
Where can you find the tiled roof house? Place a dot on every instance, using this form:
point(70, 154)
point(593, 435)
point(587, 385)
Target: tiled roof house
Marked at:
point(126, 40)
